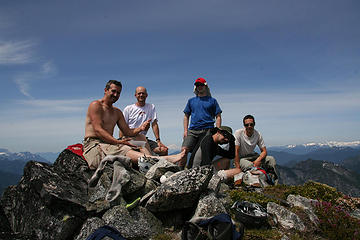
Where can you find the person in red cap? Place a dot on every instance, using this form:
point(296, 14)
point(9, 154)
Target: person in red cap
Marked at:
point(203, 111)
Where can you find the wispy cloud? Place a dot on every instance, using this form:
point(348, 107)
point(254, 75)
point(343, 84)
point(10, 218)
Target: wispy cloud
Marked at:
point(48, 69)
point(23, 80)
point(16, 52)
point(55, 106)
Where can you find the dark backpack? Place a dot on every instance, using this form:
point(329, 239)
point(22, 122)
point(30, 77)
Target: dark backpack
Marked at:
point(105, 231)
point(219, 227)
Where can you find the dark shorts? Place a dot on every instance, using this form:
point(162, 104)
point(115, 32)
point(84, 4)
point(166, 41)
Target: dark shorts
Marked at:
point(193, 137)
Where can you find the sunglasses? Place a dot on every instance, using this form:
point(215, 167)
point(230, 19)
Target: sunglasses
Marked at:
point(199, 84)
point(249, 125)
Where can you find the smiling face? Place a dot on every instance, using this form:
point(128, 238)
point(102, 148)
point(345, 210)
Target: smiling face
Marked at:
point(249, 126)
point(113, 93)
point(141, 95)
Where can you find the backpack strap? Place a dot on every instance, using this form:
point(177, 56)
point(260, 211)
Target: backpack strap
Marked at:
point(105, 231)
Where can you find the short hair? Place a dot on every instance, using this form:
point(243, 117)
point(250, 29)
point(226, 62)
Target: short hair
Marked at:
point(117, 83)
point(248, 117)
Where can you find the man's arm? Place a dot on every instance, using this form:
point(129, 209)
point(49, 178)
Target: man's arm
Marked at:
point(124, 128)
point(237, 157)
point(228, 153)
point(218, 120)
point(262, 155)
point(186, 124)
point(156, 130)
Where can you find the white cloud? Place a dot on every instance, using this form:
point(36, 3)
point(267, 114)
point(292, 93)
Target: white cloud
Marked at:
point(16, 52)
point(48, 68)
point(23, 80)
point(55, 106)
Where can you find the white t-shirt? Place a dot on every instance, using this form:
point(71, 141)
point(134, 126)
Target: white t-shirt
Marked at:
point(135, 115)
point(248, 144)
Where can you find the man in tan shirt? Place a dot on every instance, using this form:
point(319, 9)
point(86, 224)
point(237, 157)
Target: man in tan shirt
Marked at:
point(100, 122)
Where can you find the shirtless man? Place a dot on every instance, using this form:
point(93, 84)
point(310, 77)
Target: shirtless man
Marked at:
point(100, 122)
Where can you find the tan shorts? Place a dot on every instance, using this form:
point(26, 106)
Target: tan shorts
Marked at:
point(95, 150)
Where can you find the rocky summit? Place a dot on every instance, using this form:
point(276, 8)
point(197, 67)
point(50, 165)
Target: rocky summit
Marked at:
point(57, 202)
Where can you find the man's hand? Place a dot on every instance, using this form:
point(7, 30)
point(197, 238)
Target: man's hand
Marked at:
point(125, 141)
point(145, 126)
point(161, 146)
point(257, 162)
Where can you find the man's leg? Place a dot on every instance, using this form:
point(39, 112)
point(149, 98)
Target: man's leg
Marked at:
point(246, 163)
point(92, 153)
point(190, 141)
point(134, 155)
point(270, 167)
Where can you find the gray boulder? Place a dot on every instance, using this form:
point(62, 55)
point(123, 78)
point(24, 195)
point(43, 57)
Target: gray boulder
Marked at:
point(136, 224)
point(89, 227)
point(45, 203)
point(284, 217)
point(209, 205)
point(160, 168)
point(306, 204)
point(182, 190)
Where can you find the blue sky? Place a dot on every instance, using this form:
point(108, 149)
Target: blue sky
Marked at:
point(294, 65)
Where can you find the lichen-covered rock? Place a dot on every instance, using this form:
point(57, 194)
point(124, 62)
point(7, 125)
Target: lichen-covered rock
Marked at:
point(284, 217)
point(182, 190)
point(214, 184)
point(306, 204)
point(89, 227)
point(4, 223)
point(46, 202)
point(139, 223)
point(137, 182)
point(70, 163)
point(209, 205)
point(160, 168)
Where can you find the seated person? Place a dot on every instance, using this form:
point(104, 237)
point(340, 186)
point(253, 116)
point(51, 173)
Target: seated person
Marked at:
point(100, 122)
point(246, 158)
point(139, 112)
point(208, 148)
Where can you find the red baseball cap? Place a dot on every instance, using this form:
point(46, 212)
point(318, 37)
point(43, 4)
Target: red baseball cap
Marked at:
point(200, 80)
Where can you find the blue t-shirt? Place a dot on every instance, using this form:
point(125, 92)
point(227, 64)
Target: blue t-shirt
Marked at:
point(202, 111)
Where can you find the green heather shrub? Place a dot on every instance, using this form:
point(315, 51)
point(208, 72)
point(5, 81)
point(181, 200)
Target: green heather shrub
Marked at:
point(240, 195)
point(310, 189)
point(336, 223)
point(314, 190)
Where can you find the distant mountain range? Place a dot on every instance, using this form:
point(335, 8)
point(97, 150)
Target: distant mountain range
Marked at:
point(23, 156)
point(337, 152)
point(311, 147)
point(332, 174)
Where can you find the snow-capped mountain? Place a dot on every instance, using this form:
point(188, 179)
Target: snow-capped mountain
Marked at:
point(311, 147)
point(22, 156)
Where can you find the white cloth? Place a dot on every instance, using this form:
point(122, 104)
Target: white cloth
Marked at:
point(135, 115)
point(248, 144)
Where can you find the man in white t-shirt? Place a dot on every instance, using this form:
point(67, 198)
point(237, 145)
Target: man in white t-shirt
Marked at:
point(246, 139)
point(139, 112)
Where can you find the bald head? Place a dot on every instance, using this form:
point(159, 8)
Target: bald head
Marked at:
point(141, 95)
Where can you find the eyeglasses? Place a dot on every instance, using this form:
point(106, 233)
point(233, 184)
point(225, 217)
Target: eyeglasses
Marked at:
point(249, 125)
point(199, 84)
